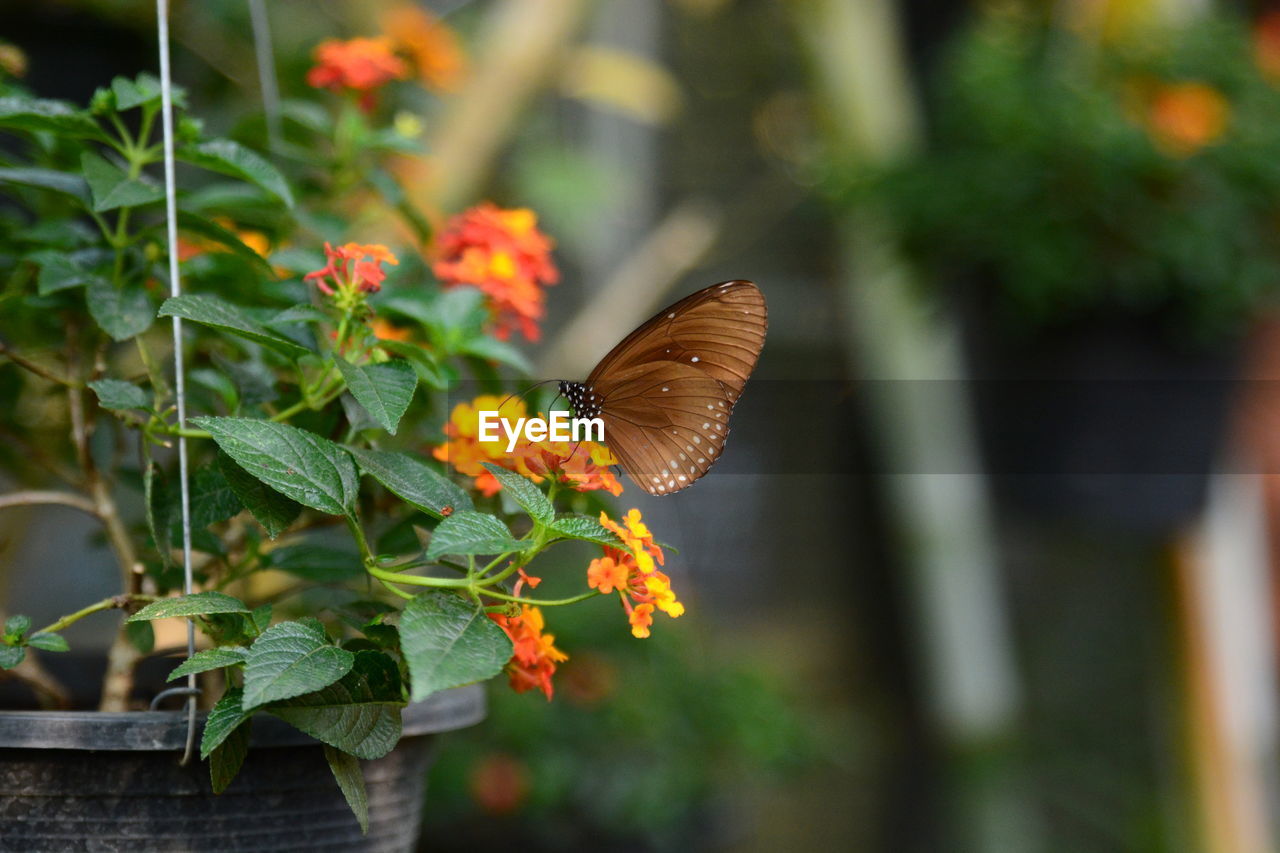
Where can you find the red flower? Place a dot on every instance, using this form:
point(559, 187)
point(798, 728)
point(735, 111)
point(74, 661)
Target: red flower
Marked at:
point(361, 65)
point(352, 267)
point(431, 47)
point(502, 253)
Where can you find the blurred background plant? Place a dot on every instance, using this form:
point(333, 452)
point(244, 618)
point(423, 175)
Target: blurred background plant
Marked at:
point(985, 670)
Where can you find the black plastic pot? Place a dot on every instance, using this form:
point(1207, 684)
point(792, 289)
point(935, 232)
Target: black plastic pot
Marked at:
point(85, 781)
point(1106, 420)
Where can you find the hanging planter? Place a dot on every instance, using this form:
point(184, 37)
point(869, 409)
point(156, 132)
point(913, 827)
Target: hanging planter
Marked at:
point(113, 781)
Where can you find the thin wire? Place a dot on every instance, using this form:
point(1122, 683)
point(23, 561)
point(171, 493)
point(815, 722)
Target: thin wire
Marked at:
point(267, 84)
point(180, 385)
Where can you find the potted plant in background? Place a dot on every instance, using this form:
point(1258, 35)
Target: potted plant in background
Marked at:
point(1101, 203)
point(348, 587)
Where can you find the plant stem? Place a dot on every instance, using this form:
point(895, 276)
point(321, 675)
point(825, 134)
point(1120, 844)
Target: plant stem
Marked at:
point(540, 602)
point(419, 580)
point(24, 362)
point(38, 498)
point(115, 602)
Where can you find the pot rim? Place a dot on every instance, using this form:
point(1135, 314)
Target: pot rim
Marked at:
point(167, 730)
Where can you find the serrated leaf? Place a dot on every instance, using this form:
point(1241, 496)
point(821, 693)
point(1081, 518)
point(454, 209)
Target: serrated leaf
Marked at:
point(224, 718)
point(300, 465)
point(316, 563)
point(49, 642)
point(118, 394)
point(384, 390)
point(49, 179)
point(421, 360)
point(448, 641)
point(274, 511)
point(57, 117)
point(468, 532)
point(122, 312)
point(228, 757)
point(261, 617)
point(212, 500)
point(112, 188)
point(346, 772)
point(207, 659)
point(11, 656)
point(525, 492)
point(156, 497)
point(412, 481)
point(143, 89)
point(214, 312)
point(254, 381)
point(291, 659)
point(196, 604)
point(359, 713)
point(141, 636)
point(586, 528)
point(231, 158)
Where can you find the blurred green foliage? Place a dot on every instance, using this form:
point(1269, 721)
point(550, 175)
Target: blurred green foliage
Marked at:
point(1072, 176)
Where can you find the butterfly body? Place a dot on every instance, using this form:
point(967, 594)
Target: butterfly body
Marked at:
point(666, 392)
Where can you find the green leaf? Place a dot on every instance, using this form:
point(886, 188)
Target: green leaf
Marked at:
point(346, 772)
point(468, 532)
point(492, 349)
point(316, 563)
point(11, 656)
point(300, 465)
point(156, 497)
point(193, 223)
point(412, 481)
point(112, 188)
point(384, 390)
point(212, 500)
point(359, 713)
point(214, 312)
point(421, 359)
point(586, 528)
point(207, 659)
point(228, 757)
point(448, 641)
point(525, 492)
point(57, 117)
point(274, 511)
point(142, 90)
point(49, 642)
point(141, 635)
point(231, 158)
point(118, 394)
point(123, 312)
point(48, 179)
point(224, 718)
point(17, 625)
point(60, 271)
point(261, 617)
point(196, 604)
point(290, 659)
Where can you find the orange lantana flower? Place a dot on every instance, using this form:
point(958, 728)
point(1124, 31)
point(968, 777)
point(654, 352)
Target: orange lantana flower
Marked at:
point(385, 330)
point(502, 253)
point(360, 65)
point(352, 267)
point(607, 574)
point(1266, 45)
point(584, 466)
point(631, 571)
point(466, 452)
point(1185, 117)
point(535, 655)
point(431, 47)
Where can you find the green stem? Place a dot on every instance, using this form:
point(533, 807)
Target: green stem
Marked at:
point(540, 602)
point(113, 603)
point(419, 580)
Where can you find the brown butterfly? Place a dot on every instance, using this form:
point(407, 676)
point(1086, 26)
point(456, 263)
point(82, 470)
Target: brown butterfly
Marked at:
point(665, 393)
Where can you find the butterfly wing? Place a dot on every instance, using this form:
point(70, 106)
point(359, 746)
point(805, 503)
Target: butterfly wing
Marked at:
point(669, 387)
point(666, 422)
point(719, 330)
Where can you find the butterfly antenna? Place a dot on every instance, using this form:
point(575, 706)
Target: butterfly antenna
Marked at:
point(526, 392)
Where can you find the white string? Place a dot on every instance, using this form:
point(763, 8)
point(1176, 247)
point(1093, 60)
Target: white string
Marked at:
point(180, 385)
point(267, 84)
